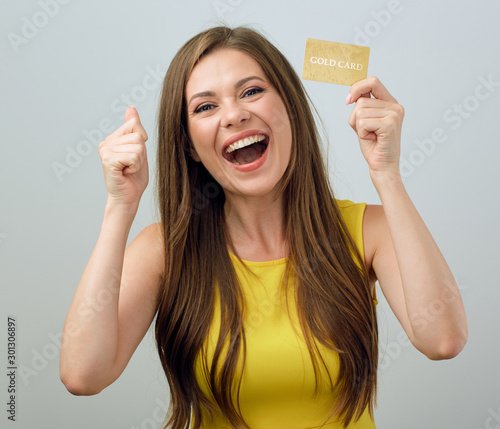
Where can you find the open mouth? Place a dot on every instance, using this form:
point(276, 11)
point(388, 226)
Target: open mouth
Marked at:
point(247, 150)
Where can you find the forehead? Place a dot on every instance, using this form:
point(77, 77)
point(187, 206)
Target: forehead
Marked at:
point(221, 68)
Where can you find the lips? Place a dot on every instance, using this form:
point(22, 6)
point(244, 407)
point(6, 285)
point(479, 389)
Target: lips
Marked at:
point(251, 166)
point(241, 136)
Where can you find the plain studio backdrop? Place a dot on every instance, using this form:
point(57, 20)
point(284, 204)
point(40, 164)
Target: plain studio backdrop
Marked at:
point(68, 71)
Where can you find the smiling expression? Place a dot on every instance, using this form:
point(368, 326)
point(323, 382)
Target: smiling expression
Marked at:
point(231, 104)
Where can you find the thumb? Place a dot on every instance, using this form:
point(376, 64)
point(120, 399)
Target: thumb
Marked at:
point(131, 112)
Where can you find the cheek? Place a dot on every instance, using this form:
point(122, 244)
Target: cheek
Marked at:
point(283, 132)
point(200, 137)
point(281, 122)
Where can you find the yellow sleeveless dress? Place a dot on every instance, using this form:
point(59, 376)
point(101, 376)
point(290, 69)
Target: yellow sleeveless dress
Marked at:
point(277, 390)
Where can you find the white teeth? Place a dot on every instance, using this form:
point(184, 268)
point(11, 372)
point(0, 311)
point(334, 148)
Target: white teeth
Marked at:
point(245, 142)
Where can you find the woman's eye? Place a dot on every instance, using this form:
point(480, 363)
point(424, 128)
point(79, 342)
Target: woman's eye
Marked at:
point(202, 108)
point(206, 107)
point(253, 91)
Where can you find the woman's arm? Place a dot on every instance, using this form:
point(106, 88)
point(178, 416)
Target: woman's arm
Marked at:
point(412, 272)
point(113, 305)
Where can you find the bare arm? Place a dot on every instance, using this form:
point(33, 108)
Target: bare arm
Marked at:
point(414, 276)
point(412, 272)
point(113, 305)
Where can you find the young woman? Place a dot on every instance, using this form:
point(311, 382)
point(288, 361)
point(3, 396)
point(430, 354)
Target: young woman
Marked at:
point(263, 283)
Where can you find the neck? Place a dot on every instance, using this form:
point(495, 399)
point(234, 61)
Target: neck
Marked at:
point(256, 227)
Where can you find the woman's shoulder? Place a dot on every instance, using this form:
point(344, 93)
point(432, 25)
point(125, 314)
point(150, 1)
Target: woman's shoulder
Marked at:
point(365, 221)
point(352, 213)
point(150, 242)
point(374, 226)
point(349, 207)
point(154, 234)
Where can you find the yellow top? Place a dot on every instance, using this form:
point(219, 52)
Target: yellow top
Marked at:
point(278, 383)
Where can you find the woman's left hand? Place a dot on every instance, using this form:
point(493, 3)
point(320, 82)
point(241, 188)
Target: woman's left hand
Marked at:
point(377, 122)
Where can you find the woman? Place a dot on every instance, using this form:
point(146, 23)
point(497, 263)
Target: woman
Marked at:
point(263, 283)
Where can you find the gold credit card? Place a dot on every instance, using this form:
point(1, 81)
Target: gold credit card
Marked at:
point(334, 62)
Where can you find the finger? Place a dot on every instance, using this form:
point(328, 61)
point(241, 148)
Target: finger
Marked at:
point(134, 139)
point(131, 112)
point(365, 87)
point(368, 136)
point(367, 102)
point(372, 113)
point(128, 147)
point(132, 124)
point(127, 163)
point(364, 114)
point(118, 152)
point(368, 128)
point(367, 107)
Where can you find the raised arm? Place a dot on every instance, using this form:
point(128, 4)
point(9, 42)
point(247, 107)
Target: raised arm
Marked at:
point(412, 272)
point(115, 300)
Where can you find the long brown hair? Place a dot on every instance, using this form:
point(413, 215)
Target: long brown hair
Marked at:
point(332, 290)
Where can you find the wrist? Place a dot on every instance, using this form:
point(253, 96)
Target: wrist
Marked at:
point(114, 208)
point(387, 184)
point(380, 177)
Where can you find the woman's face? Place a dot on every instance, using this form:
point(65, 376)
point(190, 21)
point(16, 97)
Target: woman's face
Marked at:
point(230, 102)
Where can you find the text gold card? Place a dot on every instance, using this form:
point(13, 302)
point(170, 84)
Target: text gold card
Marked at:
point(334, 62)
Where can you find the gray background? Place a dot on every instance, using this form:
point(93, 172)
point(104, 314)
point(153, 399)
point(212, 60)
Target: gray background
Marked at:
point(70, 75)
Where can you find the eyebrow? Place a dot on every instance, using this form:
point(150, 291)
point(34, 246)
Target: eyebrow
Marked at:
point(237, 85)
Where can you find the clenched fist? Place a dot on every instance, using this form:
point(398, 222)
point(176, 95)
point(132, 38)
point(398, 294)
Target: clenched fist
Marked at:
point(124, 161)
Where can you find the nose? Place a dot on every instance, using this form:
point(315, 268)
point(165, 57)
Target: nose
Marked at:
point(233, 113)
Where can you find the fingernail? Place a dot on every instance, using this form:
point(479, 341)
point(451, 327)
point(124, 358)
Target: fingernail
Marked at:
point(348, 98)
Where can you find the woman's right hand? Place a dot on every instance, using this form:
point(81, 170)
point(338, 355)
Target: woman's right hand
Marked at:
point(124, 161)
